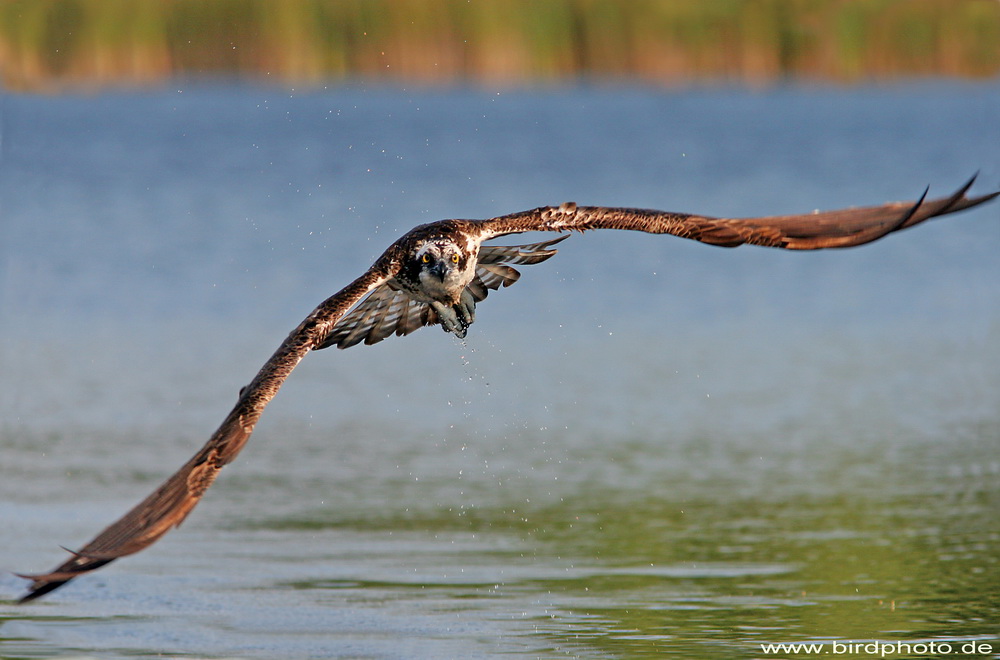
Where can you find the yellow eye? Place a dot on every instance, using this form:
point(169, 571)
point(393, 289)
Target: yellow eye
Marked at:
point(454, 258)
point(426, 258)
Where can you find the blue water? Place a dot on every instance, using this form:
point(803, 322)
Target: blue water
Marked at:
point(645, 448)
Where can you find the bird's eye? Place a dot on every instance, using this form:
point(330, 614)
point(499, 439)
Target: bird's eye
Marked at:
point(426, 258)
point(454, 258)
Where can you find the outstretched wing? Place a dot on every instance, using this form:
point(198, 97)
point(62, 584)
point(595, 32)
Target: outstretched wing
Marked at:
point(388, 309)
point(169, 505)
point(808, 231)
point(493, 271)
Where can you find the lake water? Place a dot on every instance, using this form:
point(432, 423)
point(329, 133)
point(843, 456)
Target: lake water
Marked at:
point(645, 448)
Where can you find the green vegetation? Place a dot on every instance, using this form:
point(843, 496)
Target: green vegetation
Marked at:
point(52, 44)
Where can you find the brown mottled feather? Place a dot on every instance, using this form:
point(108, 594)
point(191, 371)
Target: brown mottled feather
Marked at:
point(350, 317)
point(807, 231)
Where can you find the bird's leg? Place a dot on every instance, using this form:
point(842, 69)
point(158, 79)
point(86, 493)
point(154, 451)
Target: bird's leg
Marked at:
point(448, 318)
point(466, 308)
point(457, 318)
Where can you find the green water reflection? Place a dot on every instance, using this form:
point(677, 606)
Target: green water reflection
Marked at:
point(907, 551)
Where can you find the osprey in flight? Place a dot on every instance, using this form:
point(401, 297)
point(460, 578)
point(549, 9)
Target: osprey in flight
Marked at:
point(435, 274)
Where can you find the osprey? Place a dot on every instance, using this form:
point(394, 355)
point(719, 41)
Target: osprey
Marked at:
point(435, 274)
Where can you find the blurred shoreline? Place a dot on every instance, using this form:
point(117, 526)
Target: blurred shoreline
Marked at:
point(49, 46)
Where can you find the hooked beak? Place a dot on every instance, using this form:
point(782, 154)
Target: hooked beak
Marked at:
point(440, 269)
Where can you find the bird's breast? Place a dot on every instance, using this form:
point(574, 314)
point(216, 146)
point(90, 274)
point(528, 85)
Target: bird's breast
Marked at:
point(446, 290)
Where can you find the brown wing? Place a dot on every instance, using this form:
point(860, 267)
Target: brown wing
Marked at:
point(808, 231)
point(493, 271)
point(386, 310)
point(170, 504)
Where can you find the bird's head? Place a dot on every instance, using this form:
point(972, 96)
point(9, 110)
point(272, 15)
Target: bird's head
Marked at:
point(440, 262)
